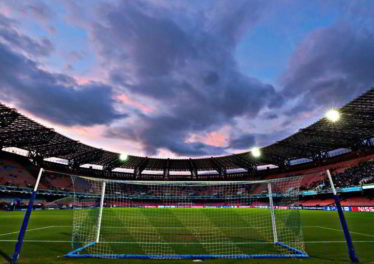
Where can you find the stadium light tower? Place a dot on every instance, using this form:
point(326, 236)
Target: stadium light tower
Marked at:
point(123, 157)
point(256, 152)
point(332, 115)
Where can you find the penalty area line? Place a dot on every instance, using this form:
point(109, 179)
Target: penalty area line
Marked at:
point(176, 243)
point(352, 232)
point(178, 227)
point(32, 229)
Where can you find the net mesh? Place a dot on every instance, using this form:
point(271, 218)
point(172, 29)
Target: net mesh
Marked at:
point(168, 219)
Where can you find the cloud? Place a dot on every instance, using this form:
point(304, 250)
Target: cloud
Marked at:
point(163, 132)
point(243, 142)
point(39, 10)
point(332, 66)
point(172, 66)
point(231, 20)
point(22, 43)
point(37, 13)
point(270, 116)
point(185, 63)
point(55, 97)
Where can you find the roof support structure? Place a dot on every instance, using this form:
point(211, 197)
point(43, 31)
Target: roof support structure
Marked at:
point(36, 158)
point(320, 156)
point(110, 165)
point(139, 169)
point(85, 157)
point(245, 163)
point(275, 159)
point(25, 138)
point(193, 169)
point(325, 142)
point(297, 151)
point(219, 168)
point(7, 117)
point(56, 149)
point(338, 135)
point(166, 173)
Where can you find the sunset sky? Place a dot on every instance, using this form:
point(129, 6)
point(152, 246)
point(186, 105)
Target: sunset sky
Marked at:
point(183, 78)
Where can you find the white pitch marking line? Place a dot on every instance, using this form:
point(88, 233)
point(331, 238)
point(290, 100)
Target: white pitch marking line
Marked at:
point(176, 227)
point(131, 242)
point(37, 241)
point(341, 241)
point(16, 232)
point(352, 232)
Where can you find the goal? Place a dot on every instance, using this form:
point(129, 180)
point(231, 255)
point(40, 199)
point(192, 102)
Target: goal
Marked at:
point(186, 219)
point(181, 219)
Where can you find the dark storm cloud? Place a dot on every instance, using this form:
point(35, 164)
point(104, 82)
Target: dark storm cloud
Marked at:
point(55, 97)
point(331, 67)
point(166, 132)
point(243, 142)
point(186, 64)
point(246, 141)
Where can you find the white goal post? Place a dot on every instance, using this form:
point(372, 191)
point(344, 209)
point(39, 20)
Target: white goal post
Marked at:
point(100, 212)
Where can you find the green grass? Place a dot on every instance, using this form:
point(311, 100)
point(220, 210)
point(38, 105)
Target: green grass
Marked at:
point(322, 234)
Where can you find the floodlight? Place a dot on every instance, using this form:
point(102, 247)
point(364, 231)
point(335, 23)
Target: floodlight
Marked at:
point(123, 157)
point(332, 115)
point(256, 152)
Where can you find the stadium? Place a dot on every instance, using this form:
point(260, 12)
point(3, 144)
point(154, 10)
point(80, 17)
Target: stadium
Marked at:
point(196, 215)
point(212, 131)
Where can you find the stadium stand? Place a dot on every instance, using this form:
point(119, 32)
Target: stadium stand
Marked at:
point(358, 201)
point(308, 152)
point(310, 147)
point(19, 172)
point(317, 202)
point(14, 174)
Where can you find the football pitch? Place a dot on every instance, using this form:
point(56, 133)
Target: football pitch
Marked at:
point(50, 233)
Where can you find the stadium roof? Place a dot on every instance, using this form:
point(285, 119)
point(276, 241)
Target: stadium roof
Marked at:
point(354, 131)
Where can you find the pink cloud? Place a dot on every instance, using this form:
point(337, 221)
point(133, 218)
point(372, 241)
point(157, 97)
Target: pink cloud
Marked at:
point(94, 74)
point(4, 10)
point(82, 80)
point(216, 138)
point(130, 101)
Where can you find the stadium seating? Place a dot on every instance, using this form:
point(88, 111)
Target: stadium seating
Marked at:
point(356, 172)
point(56, 182)
point(358, 201)
point(317, 202)
point(14, 174)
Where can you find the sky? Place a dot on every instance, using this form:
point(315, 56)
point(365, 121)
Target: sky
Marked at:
point(183, 78)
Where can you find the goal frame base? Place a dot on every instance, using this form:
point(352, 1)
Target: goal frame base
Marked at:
point(297, 254)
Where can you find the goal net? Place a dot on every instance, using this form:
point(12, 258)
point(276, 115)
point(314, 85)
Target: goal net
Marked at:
point(186, 219)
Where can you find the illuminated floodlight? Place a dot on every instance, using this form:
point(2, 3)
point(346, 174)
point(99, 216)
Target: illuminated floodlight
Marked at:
point(256, 152)
point(123, 157)
point(332, 115)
